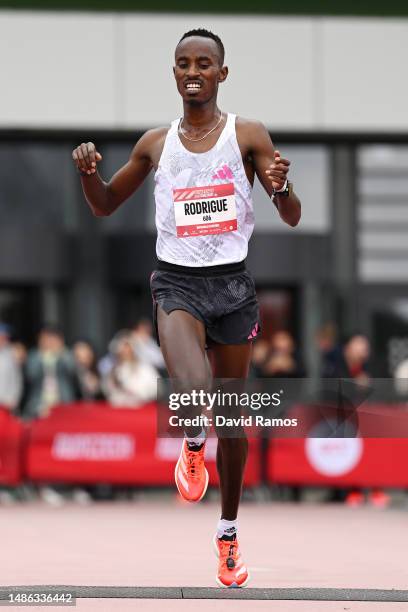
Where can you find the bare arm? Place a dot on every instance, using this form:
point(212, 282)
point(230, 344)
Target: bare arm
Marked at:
point(272, 170)
point(104, 198)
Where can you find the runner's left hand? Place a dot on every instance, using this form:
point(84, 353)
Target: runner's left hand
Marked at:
point(278, 171)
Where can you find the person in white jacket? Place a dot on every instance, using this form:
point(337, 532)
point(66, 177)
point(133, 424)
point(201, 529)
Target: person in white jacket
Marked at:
point(11, 386)
point(11, 382)
point(131, 382)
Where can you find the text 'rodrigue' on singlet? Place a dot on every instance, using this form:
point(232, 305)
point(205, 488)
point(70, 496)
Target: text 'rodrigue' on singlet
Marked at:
point(204, 212)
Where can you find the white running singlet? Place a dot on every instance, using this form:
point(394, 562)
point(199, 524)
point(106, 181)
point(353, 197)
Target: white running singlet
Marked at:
point(204, 212)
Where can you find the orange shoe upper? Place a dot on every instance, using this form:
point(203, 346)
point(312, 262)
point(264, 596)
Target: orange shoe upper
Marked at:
point(191, 474)
point(231, 568)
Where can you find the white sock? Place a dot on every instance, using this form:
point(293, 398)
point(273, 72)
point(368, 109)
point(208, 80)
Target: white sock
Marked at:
point(227, 528)
point(198, 440)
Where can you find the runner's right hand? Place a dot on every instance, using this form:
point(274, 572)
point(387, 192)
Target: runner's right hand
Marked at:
point(86, 157)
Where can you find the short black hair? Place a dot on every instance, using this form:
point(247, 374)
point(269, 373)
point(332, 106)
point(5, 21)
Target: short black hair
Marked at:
point(206, 34)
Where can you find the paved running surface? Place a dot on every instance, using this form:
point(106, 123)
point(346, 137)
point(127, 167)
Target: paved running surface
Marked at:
point(96, 592)
point(168, 544)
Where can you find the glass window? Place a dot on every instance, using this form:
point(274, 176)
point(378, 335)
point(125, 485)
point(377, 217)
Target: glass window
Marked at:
point(309, 172)
point(382, 194)
point(38, 184)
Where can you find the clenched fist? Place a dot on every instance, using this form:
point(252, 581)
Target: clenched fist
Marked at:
point(278, 171)
point(86, 157)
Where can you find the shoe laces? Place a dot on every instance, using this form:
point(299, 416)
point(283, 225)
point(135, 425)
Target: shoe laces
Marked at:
point(228, 552)
point(194, 463)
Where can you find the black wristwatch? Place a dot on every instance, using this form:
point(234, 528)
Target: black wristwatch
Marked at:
point(285, 192)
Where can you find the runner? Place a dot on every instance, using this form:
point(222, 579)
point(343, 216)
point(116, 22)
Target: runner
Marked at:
point(205, 303)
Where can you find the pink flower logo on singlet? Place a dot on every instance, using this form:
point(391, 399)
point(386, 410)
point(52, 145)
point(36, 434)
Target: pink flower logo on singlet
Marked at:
point(254, 332)
point(223, 173)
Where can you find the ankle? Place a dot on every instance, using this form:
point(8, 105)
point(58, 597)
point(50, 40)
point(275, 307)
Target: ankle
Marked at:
point(227, 530)
point(196, 442)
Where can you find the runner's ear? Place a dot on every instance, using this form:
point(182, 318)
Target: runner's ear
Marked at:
point(223, 74)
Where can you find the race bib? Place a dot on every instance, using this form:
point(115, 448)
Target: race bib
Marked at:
point(205, 210)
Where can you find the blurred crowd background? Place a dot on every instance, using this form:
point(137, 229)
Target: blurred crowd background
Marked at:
point(53, 371)
point(34, 379)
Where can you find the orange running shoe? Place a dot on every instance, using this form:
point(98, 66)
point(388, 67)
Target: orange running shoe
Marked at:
point(190, 474)
point(231, 568)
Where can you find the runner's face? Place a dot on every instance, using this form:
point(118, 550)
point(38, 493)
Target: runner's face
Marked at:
point(198, 70)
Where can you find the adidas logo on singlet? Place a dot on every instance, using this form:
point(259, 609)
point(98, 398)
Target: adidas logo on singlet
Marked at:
point(223, 173)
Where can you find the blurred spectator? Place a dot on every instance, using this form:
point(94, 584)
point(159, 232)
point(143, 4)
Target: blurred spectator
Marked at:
point(329, 349)
point(10, 390)
point(260, 352)
point(20, 352)
point(277, 359)
point(10, 371)
point(353, 363)
point(145, 346)
point(351, 360)
point(88, 377)
point(130, 382)
point(356, 353)
point(50, 374)
point(401, 378)
point(281, 360)
point(106, 363)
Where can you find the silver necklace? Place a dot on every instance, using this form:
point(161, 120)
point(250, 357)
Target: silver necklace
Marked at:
point(180, 129)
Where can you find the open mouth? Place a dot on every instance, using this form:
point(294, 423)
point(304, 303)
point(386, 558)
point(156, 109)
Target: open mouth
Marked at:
point(193, 86)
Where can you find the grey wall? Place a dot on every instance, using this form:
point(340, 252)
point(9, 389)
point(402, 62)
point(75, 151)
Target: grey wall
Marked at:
point(114, 70)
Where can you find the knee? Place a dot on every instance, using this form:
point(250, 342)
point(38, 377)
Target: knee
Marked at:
point(187, 381)
point(191, 390)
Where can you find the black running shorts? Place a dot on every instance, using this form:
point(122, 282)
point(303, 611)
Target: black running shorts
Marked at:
point(222, 297)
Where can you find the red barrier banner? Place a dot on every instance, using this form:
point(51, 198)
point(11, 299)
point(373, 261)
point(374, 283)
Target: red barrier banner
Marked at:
point(365, 461)
point(356, 462)
point(11, 448)
point(370, 420)
point(94, 442)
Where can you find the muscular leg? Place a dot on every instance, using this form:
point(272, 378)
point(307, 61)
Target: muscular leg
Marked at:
point(182, 340)
point(231, 361)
